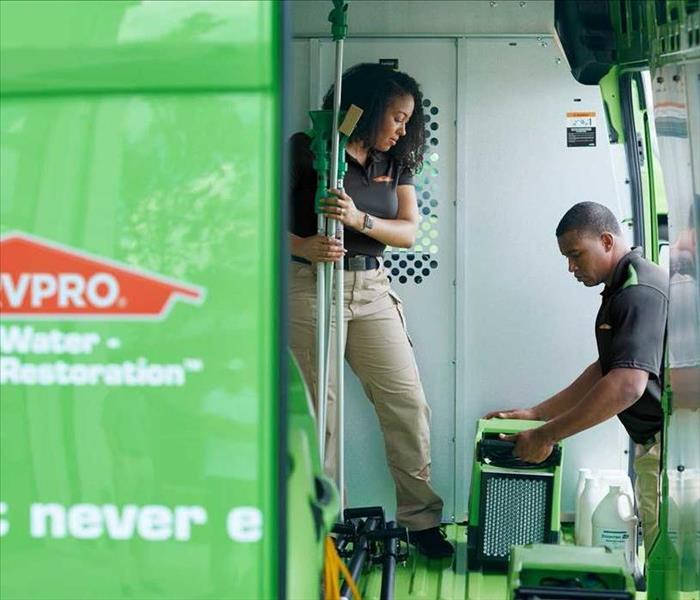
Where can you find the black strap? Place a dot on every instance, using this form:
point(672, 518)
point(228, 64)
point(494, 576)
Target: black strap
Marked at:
point(359, 262)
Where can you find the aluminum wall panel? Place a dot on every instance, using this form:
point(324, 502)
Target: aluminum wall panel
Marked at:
point(528, 327)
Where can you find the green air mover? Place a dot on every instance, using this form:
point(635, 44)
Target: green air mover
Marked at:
point(511, 502)
point(568, 573)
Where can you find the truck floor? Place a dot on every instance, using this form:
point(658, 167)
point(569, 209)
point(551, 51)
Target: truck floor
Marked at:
point(423, 579)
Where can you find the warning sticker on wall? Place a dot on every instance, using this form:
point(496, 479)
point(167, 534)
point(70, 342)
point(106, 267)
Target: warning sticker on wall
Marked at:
point(580, 129)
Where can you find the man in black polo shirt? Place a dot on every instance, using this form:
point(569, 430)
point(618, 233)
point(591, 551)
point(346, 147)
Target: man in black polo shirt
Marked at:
point(626, 379)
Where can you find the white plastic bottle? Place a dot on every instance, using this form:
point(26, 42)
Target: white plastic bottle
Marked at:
point(614, 524)
point(616, 477)
point(592, 494)
point(582, 474)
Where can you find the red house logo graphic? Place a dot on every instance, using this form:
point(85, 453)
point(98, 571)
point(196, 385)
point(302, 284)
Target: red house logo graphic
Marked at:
point(42, 279)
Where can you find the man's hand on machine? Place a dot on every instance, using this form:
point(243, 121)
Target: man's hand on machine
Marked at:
point(320, 248)
point(340, 207)
point(514, 413)
point(531, 445)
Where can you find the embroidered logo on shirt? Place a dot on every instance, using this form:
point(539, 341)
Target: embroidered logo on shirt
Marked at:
point(605, 326)
point(383, 179)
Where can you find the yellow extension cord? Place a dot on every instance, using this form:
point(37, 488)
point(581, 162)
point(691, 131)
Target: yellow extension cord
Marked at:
point(333, 567)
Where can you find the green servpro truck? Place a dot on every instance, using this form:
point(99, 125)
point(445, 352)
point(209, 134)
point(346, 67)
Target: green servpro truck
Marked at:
point(143, 359)
point(156, 439)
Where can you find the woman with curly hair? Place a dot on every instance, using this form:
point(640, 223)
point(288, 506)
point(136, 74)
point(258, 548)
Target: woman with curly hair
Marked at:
point(378, 208)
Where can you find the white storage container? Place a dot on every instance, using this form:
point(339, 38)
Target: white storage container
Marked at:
point(614, 524)
point(592, 494)
point(582, 475)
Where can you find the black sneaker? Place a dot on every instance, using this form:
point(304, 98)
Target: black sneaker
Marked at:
point(431, 542)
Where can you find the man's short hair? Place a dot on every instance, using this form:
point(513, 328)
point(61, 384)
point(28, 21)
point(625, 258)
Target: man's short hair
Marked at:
point(589, 217)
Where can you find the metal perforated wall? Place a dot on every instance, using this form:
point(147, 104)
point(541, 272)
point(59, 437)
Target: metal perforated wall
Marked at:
point(416, 264)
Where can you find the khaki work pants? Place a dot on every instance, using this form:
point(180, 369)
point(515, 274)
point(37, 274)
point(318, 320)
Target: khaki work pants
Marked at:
point(647, 488)
point(379, 351)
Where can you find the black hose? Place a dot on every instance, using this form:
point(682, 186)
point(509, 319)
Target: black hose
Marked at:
point(359, 556)
point(389, 565)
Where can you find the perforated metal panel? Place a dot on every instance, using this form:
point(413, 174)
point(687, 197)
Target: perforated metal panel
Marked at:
point(416, 264)
point(515, 510)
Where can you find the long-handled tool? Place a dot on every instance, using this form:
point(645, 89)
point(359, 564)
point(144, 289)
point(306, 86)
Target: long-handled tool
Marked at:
point(328, 130)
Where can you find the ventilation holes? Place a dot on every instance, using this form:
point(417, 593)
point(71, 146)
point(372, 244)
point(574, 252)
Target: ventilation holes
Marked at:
point(416, 264)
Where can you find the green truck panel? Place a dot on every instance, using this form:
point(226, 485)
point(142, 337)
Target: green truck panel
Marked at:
point(140, 316)
point(107, 45)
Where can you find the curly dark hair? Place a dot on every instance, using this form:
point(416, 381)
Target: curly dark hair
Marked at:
point(372, 87)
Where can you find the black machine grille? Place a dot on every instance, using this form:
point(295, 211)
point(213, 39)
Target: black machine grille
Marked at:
point(515, 509)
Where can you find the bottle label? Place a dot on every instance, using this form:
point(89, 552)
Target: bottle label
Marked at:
point(615, 539)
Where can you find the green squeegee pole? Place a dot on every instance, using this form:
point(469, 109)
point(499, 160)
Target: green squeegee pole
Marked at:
point(338, 19)
point(321, 134)
point(325, 129)
point(320, 120)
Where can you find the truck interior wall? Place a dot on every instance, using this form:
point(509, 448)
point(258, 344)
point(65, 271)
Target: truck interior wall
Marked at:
point(432, 18)
point(500, 303)
point(528, 324)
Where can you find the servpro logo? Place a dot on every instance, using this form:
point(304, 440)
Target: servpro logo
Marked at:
point(42, 279)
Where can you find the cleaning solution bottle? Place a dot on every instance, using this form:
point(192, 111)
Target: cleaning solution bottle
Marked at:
point(616, 477)
point(582, 474)
point(614, 524)
point(592, 494)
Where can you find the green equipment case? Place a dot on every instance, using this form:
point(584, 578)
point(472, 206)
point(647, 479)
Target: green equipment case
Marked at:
point(538, 571)
point(510, 502)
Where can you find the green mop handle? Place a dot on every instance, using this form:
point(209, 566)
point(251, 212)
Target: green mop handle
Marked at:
point(328, 131)
point(338, 19)
point(325, 130)
point(320, 135)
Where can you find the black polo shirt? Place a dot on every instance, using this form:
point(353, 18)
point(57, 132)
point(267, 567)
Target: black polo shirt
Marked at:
point(630, 329)
point(372, 189)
